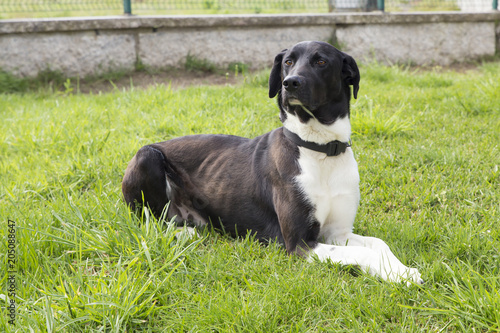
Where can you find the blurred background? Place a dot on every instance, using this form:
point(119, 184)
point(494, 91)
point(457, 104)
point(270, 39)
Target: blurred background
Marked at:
point(64, 8)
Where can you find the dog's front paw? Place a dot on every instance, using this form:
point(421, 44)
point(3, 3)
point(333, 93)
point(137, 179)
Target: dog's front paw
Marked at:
point(404, 274)
point(414, 276)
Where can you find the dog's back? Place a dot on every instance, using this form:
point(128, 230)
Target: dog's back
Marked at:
point(215, 179)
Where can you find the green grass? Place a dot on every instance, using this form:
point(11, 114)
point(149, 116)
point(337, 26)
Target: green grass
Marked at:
point(46, 79)
point(66, 8)
point(194, 64)
point(427, 147)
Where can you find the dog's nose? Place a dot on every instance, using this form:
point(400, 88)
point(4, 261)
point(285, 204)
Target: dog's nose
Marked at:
point(291, 83)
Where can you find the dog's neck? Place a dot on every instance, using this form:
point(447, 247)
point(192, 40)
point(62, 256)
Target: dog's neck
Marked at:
point(314, 131)
point(333, 148)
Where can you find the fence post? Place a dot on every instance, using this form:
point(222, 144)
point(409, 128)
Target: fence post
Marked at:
point(331, 6)
point(127, 7)
point(381, 5)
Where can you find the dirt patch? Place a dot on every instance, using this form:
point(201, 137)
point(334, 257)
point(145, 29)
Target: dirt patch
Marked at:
point(139, 79)
point(179, 79)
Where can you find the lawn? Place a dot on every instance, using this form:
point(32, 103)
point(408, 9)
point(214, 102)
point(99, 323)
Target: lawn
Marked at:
point(427, 144)
point(63, 8)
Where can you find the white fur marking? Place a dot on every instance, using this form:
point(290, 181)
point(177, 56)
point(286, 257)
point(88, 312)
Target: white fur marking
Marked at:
point(168, 189)
point(314, 131)
point(369, 260)
point(297, 102)
point(185, 232)
point(181, 213)
point(331, 184)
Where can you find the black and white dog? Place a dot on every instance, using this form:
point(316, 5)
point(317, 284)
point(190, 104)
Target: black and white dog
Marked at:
point(297, 184)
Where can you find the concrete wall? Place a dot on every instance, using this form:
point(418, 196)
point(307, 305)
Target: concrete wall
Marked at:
point(83, 46)
point(424, 43)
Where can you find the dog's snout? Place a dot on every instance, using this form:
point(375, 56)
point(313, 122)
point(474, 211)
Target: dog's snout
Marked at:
point(292, 83)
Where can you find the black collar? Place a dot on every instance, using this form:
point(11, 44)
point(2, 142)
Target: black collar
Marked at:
point(333, 148)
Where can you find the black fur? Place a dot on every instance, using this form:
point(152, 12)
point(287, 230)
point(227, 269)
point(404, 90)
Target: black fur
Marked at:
point(322, 92)
point(248, 185)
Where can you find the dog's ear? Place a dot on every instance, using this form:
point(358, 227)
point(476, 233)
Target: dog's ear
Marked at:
point(275, 77)
point(350, 74)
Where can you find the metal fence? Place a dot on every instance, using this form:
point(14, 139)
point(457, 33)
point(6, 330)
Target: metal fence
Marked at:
point(104, 7)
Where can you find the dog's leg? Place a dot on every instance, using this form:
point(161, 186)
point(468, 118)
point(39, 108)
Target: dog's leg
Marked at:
point(371, 254)
point(353, 255)
point(392, 268)
point(145, 180)
point(186, 232)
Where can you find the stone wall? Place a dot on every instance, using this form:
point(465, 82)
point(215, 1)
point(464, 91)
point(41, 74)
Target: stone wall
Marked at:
point(84, 46)
point(422, 43)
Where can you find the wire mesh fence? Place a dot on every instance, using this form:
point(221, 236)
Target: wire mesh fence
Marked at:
point(441, 5)
point(103, 7)
point(12, 6)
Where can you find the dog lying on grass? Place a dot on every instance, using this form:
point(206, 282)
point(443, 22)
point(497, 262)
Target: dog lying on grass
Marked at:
point(298, 184)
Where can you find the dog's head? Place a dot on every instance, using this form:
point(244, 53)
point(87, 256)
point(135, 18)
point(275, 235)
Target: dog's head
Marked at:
point(312, 80)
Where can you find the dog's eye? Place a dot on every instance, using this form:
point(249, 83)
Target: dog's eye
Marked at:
point(321, 62)
point(289, 63)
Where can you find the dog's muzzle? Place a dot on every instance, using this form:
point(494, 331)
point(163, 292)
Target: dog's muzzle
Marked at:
point(294, 90)
point(292, 83)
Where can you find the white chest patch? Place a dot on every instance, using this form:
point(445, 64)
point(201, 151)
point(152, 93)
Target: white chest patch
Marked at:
point(331, 184)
